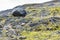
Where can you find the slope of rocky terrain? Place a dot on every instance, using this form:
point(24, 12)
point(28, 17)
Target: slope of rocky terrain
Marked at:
point(31, 22)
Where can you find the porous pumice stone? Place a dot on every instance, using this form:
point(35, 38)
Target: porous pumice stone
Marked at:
point(39, 21)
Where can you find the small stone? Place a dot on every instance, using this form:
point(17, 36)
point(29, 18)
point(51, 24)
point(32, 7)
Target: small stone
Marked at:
point(58, 32)
point(33, 24)
point(22, 24)
point(22, 37)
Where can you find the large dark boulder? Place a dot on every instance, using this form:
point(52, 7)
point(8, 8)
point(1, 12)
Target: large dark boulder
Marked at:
point(19, 13)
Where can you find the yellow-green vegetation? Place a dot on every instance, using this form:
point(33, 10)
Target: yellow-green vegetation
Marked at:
point(41, 35)
point(52, 10)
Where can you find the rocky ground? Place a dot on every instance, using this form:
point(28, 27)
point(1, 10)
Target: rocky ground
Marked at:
point(31, 22)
